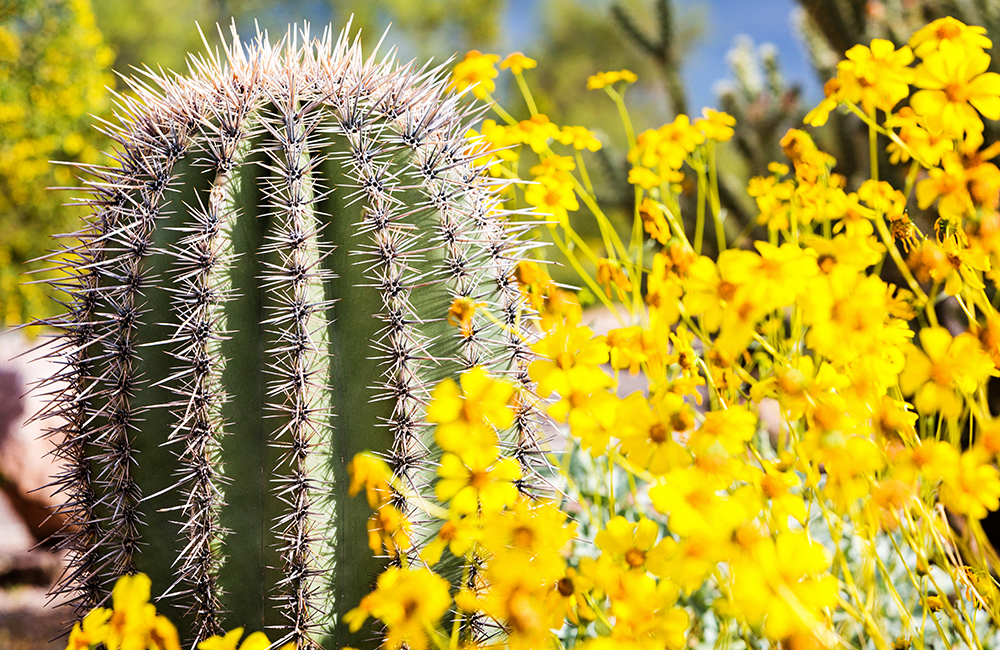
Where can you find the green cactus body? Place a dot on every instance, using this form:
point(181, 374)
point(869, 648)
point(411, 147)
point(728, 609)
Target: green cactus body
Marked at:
point(260, 295)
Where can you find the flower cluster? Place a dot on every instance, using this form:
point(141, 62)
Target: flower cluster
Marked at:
point(133, 624)
point(797, 405)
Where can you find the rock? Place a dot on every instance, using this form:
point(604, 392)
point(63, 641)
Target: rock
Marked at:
point(26, 465)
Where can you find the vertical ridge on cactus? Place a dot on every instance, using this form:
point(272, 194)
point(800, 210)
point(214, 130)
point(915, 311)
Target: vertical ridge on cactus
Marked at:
point(260, 294)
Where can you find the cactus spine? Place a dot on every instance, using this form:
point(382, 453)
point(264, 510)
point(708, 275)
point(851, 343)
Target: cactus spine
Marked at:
point(260, 294)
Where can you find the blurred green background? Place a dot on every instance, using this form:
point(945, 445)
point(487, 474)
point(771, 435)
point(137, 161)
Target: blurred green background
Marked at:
point(761, 60)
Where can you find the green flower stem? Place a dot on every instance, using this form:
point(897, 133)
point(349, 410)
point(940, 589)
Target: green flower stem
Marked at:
point(619, 99)
point(889, 133)
point(716, 203)
point(575, 263)
point(499, 110)
point(526, 92)
point(583, 173)
point(699, 227)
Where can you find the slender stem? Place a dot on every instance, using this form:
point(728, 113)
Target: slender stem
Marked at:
point(716, 203)
point(638, 248)
point(528, 99)
point(499, 110)
point(889, 133)
point(619, 100)
point(575, 263)
point(699, 226)
point(583, 173)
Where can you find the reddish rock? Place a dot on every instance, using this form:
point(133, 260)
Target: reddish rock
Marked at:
point(26, 465)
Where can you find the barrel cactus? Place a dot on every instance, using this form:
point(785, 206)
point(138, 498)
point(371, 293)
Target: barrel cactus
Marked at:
point(260, 293)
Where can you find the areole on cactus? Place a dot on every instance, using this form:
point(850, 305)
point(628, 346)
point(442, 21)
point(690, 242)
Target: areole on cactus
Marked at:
point(262, 292)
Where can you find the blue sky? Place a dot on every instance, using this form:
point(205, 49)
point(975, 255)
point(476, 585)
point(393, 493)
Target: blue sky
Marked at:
point(764, 21)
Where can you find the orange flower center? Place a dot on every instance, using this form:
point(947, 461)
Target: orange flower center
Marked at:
point(448, 531)
point(948, 32)
point(826, 263)
point(681, 421)
point(479, 479)
point(658, 433)
point(772, 486)
point(635, 558)
point(941, 374)
point(726, 290)
point(523, 537)
point(956, 93)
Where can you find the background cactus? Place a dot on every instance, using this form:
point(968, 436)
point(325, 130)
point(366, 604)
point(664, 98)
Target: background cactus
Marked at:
point(260, 293)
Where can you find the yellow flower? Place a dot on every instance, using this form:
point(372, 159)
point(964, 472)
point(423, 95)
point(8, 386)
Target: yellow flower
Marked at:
point(256, 641)
point(553, 166)
point(580, 137)
point(663, 286)
point(460, 314)
point(974, 489)
point(773, 198)
point(534, 532)
point(954, 85)
point(647, 179)
point(476, 69)
point(929, 146)
point(495, 145)
point(694, 506)
point(716, 125)
point(775, 486)
point(583, 396)
point(732, 428)
point(669, 145)
point(944, 370)
point(552, 195)
point(92, 631)
point(535, 132)
point(785, 585)
point(457, 534)
point(881, 71)
point(477, 480)
point(464, 416)
point(949, 183)
point(832, 98)
point(612, 277)
point(633, 346)
point(518, 63)
point(595, 422)
point(602, 79)
point(520, 600)
point(408, 602)
point(134, 624)
point(653, 220)
point(647, 439)
point(565, 348)
point(645, 613)
point(370, 472)
point(633, 546)
point(928, 38)
point(709, 286)
point(388, 531)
